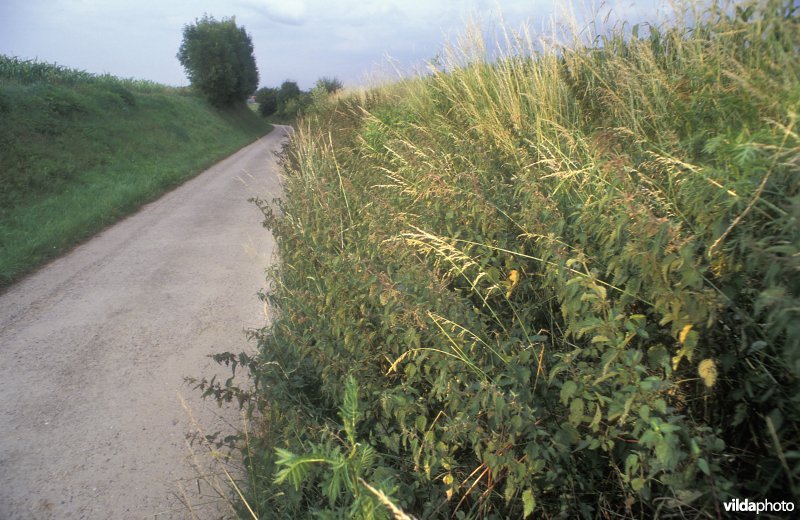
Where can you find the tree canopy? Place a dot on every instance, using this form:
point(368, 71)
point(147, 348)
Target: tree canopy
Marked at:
point(289, 90)
point(267, 99)
point(218, 58)
point(329, 85)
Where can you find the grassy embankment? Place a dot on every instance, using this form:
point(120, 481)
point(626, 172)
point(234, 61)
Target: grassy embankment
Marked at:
point(563, 283)
point(80, 151)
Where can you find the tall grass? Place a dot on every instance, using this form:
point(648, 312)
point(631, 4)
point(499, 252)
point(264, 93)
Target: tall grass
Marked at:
point(28, 72)
point(565, 281)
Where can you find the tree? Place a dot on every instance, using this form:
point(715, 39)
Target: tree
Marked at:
point(320, 94)
point(218, 59)
point(267, 99)
point(329, 85)
point(288, 91)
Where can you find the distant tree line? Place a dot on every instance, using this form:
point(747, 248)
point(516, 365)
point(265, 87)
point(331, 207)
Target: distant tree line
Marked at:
point(218, 58)
point(287, 101)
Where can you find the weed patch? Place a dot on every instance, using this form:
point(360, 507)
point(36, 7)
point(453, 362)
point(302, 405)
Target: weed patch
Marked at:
point(562, 283)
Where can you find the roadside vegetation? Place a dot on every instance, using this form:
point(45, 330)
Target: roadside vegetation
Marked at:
point(287, 103)
point(562, 283)
point(79, 151)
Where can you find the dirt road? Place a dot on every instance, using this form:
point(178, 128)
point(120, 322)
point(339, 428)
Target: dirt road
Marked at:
point(94, 348)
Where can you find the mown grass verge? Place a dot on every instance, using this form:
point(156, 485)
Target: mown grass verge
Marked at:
point(563, 284)
point(80, 151)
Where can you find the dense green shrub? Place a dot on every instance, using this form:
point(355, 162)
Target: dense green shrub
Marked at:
point(288, 102)
point(565, 283)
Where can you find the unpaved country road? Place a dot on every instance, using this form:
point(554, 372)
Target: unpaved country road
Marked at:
point(94, 348)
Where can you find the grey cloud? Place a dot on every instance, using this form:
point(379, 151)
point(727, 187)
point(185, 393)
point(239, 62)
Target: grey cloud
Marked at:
point(281, 11)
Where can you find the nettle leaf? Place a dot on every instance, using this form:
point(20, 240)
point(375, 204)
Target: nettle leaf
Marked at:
point(508, 493)
point(658, 357)
point(631, 464)
point(667, 453)
point(576, 411)
point(598, 416)
point(601, 339)
point(421, 422)
point(528, 503)
point(568, 389)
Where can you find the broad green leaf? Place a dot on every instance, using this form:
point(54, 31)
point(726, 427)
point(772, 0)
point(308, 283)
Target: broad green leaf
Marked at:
point(576, 411)
point(568, 390)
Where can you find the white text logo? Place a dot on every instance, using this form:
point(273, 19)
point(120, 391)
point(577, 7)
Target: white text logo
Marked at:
point(763, 506)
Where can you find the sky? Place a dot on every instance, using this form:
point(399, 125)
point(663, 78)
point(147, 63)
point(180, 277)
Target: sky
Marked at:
point(299, 40)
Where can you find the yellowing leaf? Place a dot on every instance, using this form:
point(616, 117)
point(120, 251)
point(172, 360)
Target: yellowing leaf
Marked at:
point(684, 331)
point(513, 281)
point(676, 360)
point(600, 291)
point(688, 339)
point(448, 481)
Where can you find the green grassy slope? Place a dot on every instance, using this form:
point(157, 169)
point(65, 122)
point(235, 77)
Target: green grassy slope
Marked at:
point(78, 152)
point(563, 284)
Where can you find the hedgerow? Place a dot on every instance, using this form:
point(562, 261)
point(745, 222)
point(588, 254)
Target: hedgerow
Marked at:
point(563, 283)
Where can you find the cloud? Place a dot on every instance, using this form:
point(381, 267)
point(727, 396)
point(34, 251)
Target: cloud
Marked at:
point(286, 12)
point(299, 39)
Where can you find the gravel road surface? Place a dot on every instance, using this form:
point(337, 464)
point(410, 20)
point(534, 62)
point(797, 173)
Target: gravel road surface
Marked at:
point(94, 348)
